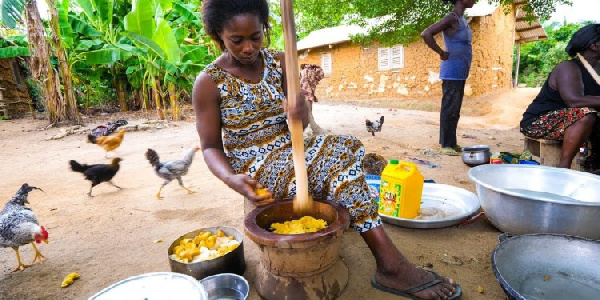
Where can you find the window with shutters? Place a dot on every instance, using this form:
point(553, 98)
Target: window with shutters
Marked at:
point(390, 58)
point(326, 63)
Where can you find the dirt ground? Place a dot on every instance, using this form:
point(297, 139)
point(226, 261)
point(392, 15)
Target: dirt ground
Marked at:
point(111, 236)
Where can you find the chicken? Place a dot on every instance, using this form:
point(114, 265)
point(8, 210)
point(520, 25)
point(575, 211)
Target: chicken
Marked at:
point(109, 143)
point(172, 169)
point(19, 226)
point(97, 173)
point(374, 126)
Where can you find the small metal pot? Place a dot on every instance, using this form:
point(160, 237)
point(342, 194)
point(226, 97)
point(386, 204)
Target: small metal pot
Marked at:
point(476, 155)
point(232, 262)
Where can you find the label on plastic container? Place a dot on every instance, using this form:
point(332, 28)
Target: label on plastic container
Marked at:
point(389, 203)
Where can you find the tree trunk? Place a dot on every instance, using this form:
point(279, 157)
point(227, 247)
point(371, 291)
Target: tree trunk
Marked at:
point(41, 69)
point(120, 88)
point(156, 96)
point(70, 102)
point(173, 97)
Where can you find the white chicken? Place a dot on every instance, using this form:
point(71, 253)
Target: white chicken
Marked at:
point(374, 126)
point(19, 226)
point(172, 169)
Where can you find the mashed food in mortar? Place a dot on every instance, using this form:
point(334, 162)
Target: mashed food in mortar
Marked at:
point(303, 225)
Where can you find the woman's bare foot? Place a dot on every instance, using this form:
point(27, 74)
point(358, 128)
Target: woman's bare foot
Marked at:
point(413, 277)
point(395, 274)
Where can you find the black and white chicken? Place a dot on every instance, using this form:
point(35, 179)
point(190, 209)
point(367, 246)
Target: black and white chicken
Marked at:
point(172, 169)
point(374, 126)
point(19, 226)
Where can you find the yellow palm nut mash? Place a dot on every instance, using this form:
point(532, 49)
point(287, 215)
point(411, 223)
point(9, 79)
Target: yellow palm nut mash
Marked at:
point(305, 224)
point(204, 246)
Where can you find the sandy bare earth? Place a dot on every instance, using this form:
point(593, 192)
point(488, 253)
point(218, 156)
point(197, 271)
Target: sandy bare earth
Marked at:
point(111, 236)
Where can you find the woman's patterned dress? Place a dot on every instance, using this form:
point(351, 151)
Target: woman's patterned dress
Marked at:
point(257, 141)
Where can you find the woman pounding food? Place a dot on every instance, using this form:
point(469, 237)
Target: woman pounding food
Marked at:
point(241, 114)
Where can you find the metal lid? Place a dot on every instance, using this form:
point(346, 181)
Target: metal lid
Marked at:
point(154, 286)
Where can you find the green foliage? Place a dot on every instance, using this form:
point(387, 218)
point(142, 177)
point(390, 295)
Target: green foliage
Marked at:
point(539, 58)
point(13, 46)
point(392, 21)
point(34, 89)
point(11, 12)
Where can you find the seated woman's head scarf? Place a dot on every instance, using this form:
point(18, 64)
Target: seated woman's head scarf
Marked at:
point(583, 38)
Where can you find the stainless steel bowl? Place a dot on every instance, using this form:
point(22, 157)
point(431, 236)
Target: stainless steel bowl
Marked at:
point(232, 262)
point(226, 286)
point(155, 285)
point(548, 266)
point(524, 199)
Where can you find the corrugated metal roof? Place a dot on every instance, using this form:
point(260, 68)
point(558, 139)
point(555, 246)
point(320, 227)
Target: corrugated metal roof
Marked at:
point(329, 36)
point(524, 31)
point(482, 8)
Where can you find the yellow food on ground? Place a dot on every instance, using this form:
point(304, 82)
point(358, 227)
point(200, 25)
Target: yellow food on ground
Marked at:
point(204, 246)
point(303, 225)
point(480, 289)
point(69, 279)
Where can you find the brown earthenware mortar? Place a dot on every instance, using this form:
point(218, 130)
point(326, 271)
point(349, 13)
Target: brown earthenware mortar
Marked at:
point(299, 266)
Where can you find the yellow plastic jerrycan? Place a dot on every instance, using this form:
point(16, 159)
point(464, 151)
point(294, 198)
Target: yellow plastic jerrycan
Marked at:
point(401, 189)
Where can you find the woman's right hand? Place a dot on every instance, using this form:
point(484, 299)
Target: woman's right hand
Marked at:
point(247, 187)
point(444, 55)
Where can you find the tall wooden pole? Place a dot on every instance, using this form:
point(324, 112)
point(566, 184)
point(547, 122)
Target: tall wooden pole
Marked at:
point(303, 201)
point(516, 84)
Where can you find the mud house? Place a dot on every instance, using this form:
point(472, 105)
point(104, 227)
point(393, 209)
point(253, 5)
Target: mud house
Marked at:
point(358, 72)
point(14, 94)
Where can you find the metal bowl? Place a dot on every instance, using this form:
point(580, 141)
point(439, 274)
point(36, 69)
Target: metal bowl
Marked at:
point(232, 262)
point(226, 286)
point(451, 204)
point(548, 266)
point(155, 285)
point(523, 199)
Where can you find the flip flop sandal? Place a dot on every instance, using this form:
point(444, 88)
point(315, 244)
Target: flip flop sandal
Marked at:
point(449, 151)
point(458, 148)
point(409, 293)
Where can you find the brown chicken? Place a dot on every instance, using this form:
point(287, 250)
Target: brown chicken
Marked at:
point(109, 143)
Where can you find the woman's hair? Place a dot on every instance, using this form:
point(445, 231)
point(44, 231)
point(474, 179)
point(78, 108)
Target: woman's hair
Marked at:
point(216, 13)
point(449, 1)
point(583, 38)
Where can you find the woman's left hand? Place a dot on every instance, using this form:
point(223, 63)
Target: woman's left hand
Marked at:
point(297, 110)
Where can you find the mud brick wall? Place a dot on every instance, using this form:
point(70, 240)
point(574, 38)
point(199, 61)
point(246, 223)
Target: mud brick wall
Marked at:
point(355, 74)
point(14, 87)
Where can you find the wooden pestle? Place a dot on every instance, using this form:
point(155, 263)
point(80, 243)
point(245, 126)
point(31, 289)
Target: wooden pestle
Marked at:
point(303, 201)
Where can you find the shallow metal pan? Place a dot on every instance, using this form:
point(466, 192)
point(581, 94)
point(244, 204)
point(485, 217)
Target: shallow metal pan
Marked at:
point(548, 267)
point(457, 203)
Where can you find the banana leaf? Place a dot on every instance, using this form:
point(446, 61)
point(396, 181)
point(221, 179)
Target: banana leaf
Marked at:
point(146, 43)
point(106, 56)
point(9, 52)
point(141, 19)
point(165, 38)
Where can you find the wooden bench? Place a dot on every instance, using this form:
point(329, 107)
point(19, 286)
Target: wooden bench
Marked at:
point(548, 151)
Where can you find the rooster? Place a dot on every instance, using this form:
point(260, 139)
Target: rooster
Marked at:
point(19, 226)
point(97, 173)
point(109, 143)
point(374, 126)
point(172, 169)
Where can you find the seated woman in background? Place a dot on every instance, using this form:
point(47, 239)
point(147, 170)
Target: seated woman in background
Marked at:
point(567, 106)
